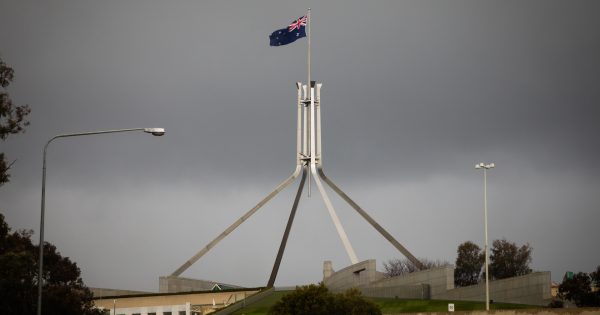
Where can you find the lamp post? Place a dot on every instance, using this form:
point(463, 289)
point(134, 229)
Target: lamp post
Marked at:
point(152, 131)
point(486, 167)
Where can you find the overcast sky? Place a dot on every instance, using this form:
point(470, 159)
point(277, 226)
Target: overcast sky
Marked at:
point(415, 93)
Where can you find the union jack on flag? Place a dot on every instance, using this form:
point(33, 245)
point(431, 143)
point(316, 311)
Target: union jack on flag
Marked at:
point(284, 36)
point(297, 24)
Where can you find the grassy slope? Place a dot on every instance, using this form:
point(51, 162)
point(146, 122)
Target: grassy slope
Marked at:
point(390, 306)
point(262, 306)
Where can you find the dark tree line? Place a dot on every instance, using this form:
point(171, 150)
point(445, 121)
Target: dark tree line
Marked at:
point(506, 260)
point(578, 289)
point(64, 291)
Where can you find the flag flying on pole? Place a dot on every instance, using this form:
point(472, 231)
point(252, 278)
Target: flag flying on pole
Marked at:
point(289, 34)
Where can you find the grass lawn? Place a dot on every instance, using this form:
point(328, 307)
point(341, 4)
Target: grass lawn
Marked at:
point(262, 306)
point(390, 306)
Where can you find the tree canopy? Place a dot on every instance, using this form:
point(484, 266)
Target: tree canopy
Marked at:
point(13, 118)
point(469, 261)
point(578, 289)
point(64, 291)
point(317, 300)
point(508, 260)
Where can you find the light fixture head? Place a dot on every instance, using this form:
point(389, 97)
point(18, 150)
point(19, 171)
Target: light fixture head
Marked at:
point(485, 166)
point(155, 131)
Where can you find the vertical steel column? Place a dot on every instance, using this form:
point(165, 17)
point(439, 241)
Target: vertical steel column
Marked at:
point(313, 168)
point(299, 124)
point(305, 126)
point(487, 249)
point(306, 139)
point(318, 114)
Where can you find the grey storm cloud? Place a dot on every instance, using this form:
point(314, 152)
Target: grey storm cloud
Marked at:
point(414, 94)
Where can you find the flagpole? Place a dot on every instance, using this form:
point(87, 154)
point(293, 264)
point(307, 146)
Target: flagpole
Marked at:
point(308, 82)
point(308, 61)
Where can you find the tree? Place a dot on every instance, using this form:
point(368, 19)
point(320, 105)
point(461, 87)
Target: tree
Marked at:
point(317, 300)
point(578, 290)
point(595, 275)
point(64, 291)
point(352, 302)
point(469, 261)
point(12, 117)
point(509, 260)
point(397, 267)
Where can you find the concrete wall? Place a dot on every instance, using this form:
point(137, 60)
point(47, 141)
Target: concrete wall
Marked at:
point(532, 289)
point(437, 283)
point(360, 274)
point(364, 276)
point(177, 284)
point(439, 280)
point(417, 292)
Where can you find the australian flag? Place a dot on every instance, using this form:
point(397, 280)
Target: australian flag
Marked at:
point(289, 34)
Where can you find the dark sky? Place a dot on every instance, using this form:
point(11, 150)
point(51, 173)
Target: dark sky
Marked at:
point(415, 93)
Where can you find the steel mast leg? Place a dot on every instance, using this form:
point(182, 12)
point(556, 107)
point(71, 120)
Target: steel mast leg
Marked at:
point(286, 234)
point(313, 169)
point(335, 219)
point(369, 219)
point(237, 223)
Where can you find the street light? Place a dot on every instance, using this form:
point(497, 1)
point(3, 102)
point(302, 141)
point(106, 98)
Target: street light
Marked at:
point(486, 167)
point(152, 131)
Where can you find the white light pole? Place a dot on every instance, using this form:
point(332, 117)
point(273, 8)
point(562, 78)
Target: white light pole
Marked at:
point(153, 131)
point(486, 167)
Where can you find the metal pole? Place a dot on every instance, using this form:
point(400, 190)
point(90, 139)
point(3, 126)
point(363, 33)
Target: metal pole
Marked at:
point(286, 234)
point(313, 169)
point(487, 275)
point(153, 131)
point(308, 59)
point(41, 257)
point(308, 83)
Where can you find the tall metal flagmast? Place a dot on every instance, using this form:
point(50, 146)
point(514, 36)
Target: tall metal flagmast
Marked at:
point(308, 161)
point(308, 35)
point(308, 66)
